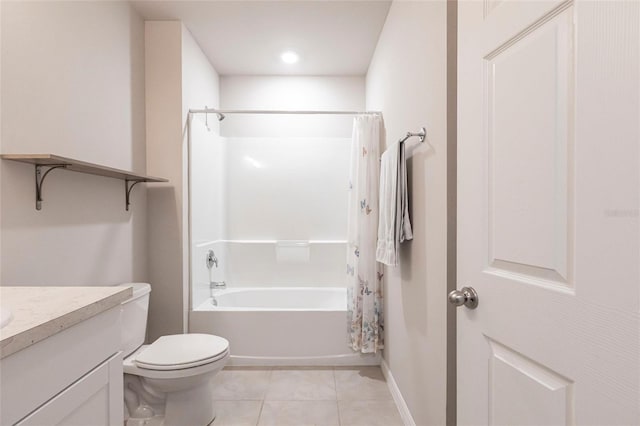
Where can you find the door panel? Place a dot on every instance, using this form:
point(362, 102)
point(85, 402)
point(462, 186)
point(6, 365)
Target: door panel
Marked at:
point(543, 397)
point(529, 126)
point(548, 202)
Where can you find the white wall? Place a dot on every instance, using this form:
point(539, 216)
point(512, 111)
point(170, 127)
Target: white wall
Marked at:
point(163, 55)
point(407, 81)
point(290, 93)
point(73, 85)
point(178, 77)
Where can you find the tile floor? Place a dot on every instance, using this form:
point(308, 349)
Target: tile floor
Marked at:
point(283, 396)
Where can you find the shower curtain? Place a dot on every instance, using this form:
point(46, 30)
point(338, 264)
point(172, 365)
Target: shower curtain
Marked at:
point(364, 274)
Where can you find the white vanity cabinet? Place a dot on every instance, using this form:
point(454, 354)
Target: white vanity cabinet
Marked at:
point(73, 377)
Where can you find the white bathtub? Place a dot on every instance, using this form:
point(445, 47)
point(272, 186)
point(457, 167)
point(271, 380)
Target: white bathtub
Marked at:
point(281, 325)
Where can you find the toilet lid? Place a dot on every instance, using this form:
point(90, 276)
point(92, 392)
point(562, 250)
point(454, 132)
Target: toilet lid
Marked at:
point(182, 351)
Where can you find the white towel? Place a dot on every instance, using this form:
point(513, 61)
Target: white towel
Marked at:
point(394, 225)
point(404, 226)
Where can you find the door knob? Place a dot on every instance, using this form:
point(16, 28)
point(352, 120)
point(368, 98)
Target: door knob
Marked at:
point(467, 297)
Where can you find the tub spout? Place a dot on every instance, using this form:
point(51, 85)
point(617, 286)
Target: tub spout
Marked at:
point(217, 285)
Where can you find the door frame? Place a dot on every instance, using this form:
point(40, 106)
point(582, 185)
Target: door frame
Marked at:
point(452, 206)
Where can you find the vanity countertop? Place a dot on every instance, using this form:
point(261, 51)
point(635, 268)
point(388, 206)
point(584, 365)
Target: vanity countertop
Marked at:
point(40, 312)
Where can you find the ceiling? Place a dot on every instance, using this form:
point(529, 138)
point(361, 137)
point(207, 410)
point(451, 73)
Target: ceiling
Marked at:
point(247, 37)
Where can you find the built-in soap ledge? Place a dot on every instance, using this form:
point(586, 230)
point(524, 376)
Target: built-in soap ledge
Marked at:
point(293, 251)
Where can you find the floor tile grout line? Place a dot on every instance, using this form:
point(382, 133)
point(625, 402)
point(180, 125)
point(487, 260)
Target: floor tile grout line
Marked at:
point(260, 412)
point(335, 383)
point(264, 396)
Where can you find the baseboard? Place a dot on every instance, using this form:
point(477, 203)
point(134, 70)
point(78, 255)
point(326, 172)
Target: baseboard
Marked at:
point(351, 359)
point(405, 414)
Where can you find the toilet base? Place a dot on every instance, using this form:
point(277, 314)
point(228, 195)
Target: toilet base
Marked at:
point(146, 421)
point(192, 406)
point(147, 405)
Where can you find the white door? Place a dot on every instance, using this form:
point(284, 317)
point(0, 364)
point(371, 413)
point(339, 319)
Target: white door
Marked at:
point(548, 198)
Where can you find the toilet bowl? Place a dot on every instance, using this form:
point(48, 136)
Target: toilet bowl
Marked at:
point(168, 382)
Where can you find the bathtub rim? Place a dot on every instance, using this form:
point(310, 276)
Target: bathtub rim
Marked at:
point(209, 307)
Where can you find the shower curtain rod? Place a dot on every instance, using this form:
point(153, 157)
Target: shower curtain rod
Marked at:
point(259, 111)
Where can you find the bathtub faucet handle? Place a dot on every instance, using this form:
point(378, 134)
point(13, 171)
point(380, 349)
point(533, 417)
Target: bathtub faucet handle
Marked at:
point(212, 260)
point(217, 285)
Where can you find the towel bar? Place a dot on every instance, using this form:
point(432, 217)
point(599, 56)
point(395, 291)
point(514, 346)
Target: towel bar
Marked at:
point(422, 134)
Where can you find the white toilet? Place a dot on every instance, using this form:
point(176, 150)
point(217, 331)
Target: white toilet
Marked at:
point(168, 382)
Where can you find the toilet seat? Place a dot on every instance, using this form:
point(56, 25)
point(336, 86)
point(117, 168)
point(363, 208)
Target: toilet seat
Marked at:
point(180, 351)
point(129, 366)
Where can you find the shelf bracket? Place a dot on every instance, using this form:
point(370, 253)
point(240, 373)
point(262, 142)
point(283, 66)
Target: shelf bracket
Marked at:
point(40, 176)
point(127, 191)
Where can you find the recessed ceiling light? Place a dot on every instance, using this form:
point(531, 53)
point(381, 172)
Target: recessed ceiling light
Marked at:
point(289, 57)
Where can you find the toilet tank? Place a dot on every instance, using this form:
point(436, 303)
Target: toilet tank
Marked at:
point(134, 318)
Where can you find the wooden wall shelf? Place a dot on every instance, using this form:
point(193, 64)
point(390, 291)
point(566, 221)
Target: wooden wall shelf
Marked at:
point(52, 162)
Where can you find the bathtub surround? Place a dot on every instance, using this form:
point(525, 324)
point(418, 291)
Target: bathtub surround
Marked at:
point(238, 168)
point(253, 175)
point(364, 273)
point(412, 94)
point(80, 68)
point(255, 180)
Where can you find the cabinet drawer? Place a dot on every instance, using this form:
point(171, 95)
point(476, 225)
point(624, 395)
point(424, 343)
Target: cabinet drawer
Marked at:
point(95, 399)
